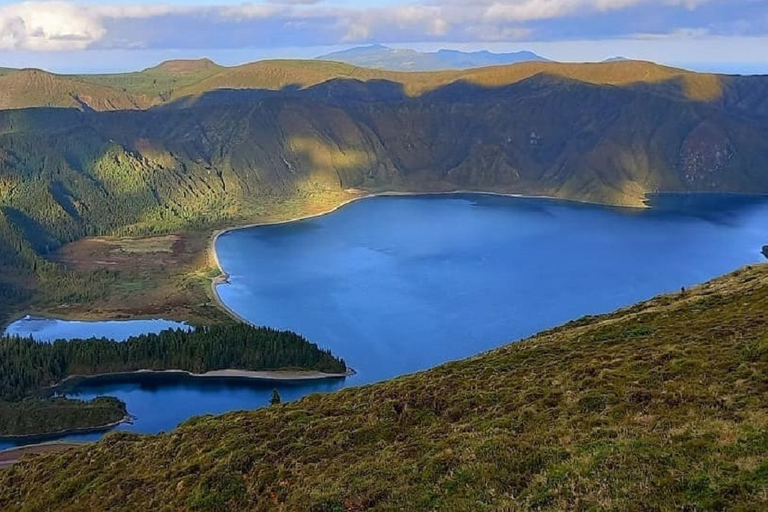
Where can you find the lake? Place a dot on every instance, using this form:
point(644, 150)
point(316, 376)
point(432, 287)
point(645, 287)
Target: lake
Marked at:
point(399, 284)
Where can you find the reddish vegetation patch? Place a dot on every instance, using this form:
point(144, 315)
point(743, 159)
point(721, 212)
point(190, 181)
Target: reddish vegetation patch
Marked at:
point(126, 253)
point(187, 66)
point(162, 276)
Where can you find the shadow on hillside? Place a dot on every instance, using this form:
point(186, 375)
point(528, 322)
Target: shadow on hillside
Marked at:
point(343, 91)
point(347, 90)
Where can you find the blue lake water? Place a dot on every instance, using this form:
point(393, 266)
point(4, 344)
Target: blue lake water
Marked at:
point(399, 284)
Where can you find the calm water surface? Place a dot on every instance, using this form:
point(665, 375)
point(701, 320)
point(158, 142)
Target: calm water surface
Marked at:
point(399, 284)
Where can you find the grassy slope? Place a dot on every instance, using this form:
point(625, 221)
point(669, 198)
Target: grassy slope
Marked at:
point(35, 88)
point(178, 79)
point(657, 406)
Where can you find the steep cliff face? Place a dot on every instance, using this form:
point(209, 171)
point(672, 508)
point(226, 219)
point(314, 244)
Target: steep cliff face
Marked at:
point(543, 135)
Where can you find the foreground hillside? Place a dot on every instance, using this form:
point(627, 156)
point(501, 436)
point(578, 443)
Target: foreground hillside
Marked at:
point(658, 406)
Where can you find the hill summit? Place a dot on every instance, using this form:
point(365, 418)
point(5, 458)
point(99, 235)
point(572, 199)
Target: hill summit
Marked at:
point(185, 66)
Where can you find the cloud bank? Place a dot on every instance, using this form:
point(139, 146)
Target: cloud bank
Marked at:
point(50, 26)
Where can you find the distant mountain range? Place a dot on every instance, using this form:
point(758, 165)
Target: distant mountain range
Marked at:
point(382, 57)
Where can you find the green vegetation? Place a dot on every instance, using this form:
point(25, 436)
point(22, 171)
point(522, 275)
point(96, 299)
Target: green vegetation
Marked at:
point(157, 84)
point(32, 417)
point(659, 406)
point(271, 140)
point(27, 365)
point(274, 139)
point(29, 368)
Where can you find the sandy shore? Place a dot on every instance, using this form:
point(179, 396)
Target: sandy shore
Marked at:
point(278, 375)
point(11, 456)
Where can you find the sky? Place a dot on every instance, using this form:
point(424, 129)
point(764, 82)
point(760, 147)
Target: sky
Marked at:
point(120, 35)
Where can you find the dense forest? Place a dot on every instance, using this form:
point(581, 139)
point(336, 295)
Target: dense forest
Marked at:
point(27, 366)
point(28, 369)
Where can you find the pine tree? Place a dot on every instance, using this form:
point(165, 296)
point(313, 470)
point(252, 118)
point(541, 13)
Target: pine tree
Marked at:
point(275, 400)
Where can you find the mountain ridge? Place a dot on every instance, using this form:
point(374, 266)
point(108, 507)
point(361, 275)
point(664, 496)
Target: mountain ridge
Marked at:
point(178, 79)
point(397, 59)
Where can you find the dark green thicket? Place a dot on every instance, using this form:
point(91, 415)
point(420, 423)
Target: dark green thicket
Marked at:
point(39, 417)
point(660, 406)
point(27, 366)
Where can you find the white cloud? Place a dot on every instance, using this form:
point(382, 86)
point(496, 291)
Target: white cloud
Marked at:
point(382, 23)
point(527, 10)
point(677, 34)
point(65, 25)
point(48, 26)
point(250, 11)
point(61, 26)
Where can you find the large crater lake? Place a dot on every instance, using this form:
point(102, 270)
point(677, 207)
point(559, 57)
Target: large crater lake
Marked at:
point(400, 284)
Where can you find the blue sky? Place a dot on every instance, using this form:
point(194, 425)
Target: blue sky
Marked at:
point(115, 35)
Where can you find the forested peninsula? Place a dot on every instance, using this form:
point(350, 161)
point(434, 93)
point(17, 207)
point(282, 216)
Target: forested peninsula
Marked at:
point(30, 371)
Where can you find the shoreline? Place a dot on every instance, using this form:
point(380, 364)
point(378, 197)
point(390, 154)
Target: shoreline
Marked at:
point(274, 376)
point(11, 456)
point(59, 433)
point(224, 374)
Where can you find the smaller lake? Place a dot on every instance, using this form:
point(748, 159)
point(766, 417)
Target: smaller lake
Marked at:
point(50, 329)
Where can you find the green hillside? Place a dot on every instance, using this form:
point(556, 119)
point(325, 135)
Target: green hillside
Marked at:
point(660, 406)
point(276, 139)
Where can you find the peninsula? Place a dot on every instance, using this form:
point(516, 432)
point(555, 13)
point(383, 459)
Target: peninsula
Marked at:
point(30, 371)
point(670, 389)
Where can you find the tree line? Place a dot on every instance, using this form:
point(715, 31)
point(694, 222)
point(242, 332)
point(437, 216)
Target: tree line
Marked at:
point(27, 366)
